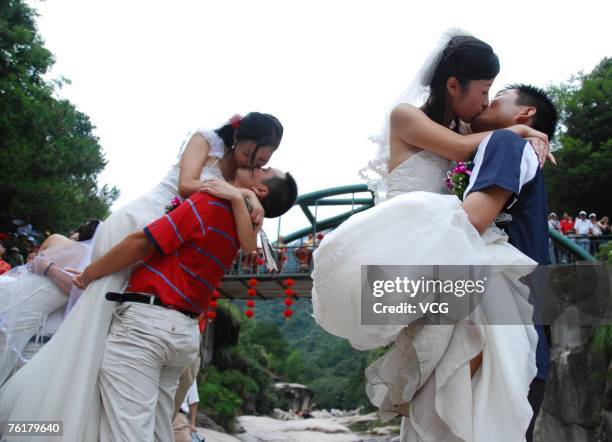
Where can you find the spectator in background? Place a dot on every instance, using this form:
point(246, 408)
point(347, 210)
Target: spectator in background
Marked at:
point(14, 257)
point(596, 232)
point(303, 255)
point(595, 229)
point(566, 224)
point(604, 225)
point(553, 222)
point(183, 427)
point(281, 250)
point(4, 266)
point(309, 240)
point(583, 228)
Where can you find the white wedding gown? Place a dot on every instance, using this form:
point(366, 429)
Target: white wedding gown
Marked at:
point(32, 305)
point(425, 375)
point(61, 381)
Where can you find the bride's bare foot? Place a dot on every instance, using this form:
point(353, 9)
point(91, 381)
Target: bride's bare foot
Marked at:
point(475, 364)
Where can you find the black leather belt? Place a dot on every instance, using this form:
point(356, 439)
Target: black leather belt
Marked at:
point(144, 299)
point(40, 339)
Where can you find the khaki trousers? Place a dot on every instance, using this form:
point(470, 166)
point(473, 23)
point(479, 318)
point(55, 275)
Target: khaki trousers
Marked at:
point(146, 350)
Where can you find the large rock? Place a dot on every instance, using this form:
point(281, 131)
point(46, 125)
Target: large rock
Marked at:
point(298, 396)
point(205, 422)
point(260, 429)
point(576, 405)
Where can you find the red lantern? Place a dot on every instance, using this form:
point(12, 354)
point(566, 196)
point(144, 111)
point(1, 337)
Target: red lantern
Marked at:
point(252, 282)
point(289, 282)
point(216, 294)
point(211, 314)
point(212, 304)
point(249, 313)
point(251, 292)
point(288, 301)
point(288, 312)
point(250, 303)
point(289, 292)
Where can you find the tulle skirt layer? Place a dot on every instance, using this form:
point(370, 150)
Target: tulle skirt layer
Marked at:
point(425, 375)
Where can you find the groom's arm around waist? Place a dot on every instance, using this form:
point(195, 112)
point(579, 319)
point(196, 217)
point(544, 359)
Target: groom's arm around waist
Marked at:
point(483, 206)
point(503, 163)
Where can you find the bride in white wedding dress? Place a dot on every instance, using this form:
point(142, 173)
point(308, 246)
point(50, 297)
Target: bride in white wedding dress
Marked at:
point(35, 297)
point(451, 382)
point(61, 381)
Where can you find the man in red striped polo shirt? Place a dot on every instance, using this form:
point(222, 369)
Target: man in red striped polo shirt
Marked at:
point(154, 334)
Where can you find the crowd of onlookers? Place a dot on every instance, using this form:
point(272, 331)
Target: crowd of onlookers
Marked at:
point(18, 246)
point(585, 230)
point(583, 225)
point(20, 243)
point(293, 257)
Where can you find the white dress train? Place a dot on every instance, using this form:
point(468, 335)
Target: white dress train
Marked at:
point(425, 375)
point(61, 381)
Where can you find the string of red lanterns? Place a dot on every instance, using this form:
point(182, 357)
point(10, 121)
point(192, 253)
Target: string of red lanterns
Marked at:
point(289, 293)
point(251, 293)
point(212, 304)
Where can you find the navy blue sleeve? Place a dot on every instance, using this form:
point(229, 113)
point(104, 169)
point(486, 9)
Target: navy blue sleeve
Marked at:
point(153, 241)
point(500, 166)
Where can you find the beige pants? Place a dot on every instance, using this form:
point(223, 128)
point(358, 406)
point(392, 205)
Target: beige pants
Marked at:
point(181, 428)
point(188, 375)
point(146, 350)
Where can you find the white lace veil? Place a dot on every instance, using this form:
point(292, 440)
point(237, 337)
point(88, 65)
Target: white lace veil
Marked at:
point(417, 91)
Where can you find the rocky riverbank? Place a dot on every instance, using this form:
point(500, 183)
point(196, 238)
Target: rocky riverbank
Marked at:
point(322, 427)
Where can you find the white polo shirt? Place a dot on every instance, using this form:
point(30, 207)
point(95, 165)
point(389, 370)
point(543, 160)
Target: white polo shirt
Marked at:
point(582, 226)
point(192, 397)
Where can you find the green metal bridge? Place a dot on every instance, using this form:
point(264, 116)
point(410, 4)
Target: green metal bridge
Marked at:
point(296, 252)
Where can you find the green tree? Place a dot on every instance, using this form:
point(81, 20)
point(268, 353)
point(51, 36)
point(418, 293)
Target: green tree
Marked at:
point(584, 155)
point(294, 367)
point(49, 157)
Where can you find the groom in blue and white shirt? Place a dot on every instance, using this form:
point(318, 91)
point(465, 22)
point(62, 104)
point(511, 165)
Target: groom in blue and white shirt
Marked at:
point(507, 179)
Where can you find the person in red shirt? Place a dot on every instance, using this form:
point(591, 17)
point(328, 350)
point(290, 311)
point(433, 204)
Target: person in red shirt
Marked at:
point(154, 334)
point(566, 224)
point(4, 266)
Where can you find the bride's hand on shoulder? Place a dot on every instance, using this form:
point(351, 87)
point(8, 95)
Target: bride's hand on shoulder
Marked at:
point(538, 140)
point(256, 210)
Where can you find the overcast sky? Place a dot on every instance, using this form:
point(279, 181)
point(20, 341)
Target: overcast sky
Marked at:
point(146, 72)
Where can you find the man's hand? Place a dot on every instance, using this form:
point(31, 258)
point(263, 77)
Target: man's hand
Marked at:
point(221, 189)
point(81, 280)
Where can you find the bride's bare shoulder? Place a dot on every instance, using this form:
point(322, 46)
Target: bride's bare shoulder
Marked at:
point(55, 240)
point(405, 113)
